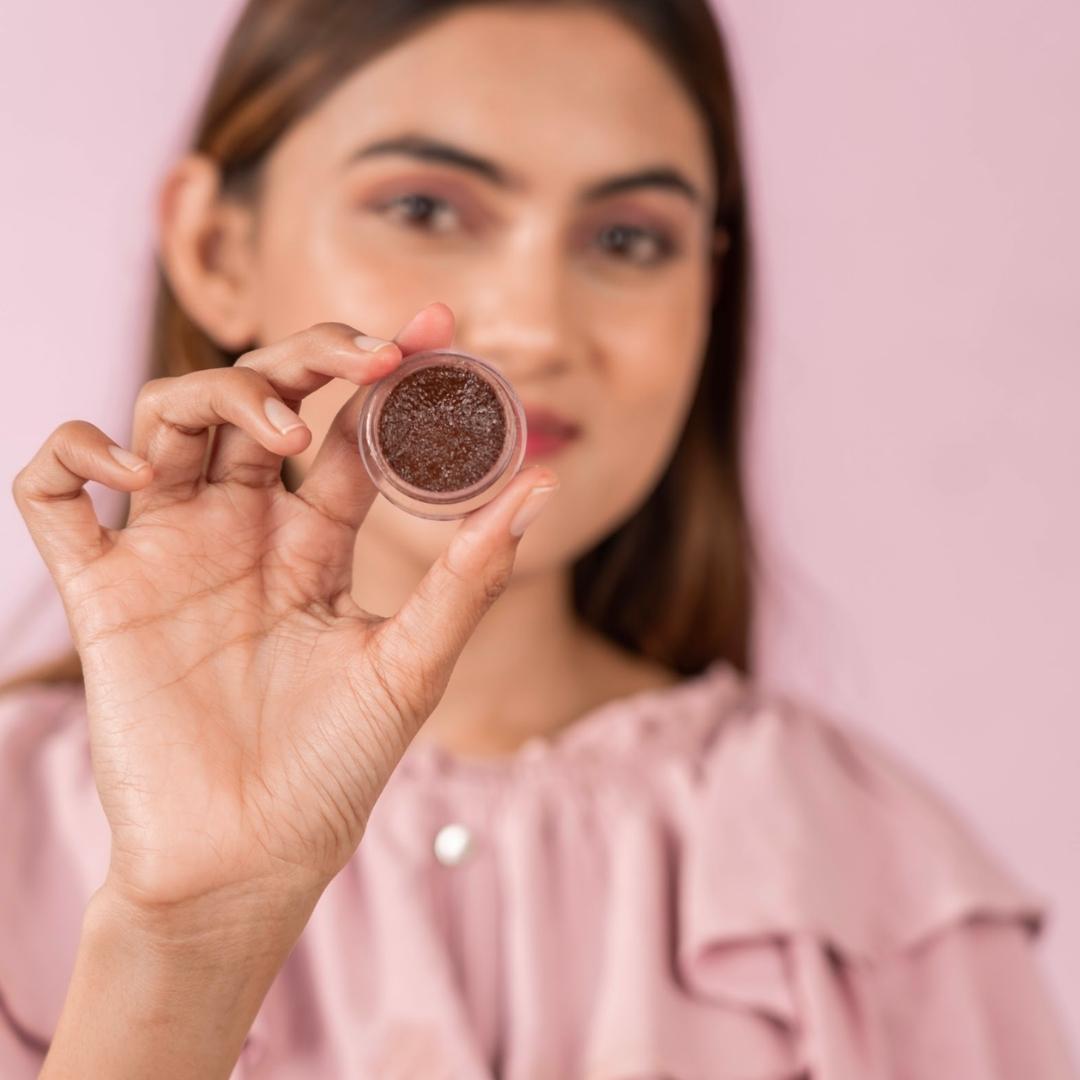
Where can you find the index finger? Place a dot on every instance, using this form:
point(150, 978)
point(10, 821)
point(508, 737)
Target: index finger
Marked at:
point(337, 484)
point(302, 362)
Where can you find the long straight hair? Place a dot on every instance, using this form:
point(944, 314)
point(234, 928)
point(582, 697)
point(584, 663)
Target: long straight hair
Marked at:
point(674, 581)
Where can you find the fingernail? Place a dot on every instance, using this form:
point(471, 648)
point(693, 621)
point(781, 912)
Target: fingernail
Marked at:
point(373, 344)
point(127, 458)
point(531, 507)
point(281, 416)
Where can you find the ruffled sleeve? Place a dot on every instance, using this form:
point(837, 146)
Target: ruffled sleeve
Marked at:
point(825, 884)
point(969, 1002)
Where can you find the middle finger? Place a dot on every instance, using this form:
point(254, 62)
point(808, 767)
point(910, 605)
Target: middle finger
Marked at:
point(174, 416)
point(297, 366)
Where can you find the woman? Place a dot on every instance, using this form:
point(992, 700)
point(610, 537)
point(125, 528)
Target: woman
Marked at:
point(359, 819)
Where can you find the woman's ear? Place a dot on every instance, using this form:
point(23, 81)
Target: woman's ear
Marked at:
point(205, 245)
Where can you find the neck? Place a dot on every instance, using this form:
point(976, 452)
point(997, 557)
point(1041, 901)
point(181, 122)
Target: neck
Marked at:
point(529, 668)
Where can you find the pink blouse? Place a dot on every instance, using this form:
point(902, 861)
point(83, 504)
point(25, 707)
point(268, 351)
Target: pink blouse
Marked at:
point(700, 882)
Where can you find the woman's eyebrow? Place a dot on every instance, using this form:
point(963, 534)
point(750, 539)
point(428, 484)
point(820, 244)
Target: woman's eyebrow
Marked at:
point(428, 149)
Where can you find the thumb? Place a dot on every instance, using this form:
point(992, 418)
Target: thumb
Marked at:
point(431, 628)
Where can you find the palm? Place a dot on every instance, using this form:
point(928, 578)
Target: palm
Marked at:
point(236, 750)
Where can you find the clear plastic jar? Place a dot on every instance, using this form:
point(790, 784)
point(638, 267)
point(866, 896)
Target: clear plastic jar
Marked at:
point(442, 434)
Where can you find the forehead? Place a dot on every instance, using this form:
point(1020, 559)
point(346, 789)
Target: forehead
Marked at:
point(555, 94)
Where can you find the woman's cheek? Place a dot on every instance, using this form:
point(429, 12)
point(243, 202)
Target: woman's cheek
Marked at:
point(656, 419)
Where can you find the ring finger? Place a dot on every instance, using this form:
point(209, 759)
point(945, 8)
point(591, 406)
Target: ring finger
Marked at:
point(297, 366)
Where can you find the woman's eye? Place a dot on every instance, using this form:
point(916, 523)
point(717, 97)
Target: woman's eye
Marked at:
point(429, 213)
point(634, 244)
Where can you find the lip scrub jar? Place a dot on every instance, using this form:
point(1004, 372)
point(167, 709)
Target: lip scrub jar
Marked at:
point(442, 434)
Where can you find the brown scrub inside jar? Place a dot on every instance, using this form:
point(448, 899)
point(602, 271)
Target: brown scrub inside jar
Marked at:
point(442, 428)
point(442, 434)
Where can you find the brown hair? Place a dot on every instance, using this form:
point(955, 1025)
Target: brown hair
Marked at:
point(673, 582)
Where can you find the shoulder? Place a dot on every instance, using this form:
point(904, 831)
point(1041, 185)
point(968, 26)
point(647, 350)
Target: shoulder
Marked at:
point(44, 745)
point(35, 703)
point(839, 835)
point(55, 843)
point(823, 881)
point(42, 733)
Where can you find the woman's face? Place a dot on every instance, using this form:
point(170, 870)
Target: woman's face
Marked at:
point(594, 304)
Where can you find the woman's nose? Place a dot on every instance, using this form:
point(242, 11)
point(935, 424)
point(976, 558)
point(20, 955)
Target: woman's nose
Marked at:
point(518, 312)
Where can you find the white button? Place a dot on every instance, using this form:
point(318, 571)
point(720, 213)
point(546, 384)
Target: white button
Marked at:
point(452, 844)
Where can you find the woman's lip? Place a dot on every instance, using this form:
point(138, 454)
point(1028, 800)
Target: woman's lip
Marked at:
point(547, 432)
point(549, 421)
point(543, 443)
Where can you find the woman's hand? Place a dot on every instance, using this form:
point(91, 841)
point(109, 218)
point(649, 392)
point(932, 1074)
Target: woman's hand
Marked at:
point(244, 711)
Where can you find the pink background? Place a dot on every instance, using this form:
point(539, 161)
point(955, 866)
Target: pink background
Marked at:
point(915, 439)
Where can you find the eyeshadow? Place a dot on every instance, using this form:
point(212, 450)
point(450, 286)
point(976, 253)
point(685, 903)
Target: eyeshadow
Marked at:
point(442, 434)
